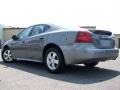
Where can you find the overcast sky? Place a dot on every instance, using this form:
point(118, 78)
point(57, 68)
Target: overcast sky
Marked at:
point(105, 14)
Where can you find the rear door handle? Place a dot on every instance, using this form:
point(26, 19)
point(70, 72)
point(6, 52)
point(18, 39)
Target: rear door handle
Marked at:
point(41, 38)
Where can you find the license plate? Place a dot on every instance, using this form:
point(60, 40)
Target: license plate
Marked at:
point(106, 43)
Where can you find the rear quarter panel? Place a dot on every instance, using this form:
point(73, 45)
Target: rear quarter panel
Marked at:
point(61, 37)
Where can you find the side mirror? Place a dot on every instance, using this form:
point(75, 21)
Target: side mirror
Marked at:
point(14, 37)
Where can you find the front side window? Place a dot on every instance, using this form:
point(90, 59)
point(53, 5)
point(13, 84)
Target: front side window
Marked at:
point(25, 34)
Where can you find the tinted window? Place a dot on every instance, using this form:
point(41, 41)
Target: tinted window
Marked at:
point(24, 34)
point(46, 27)
point(37, 30)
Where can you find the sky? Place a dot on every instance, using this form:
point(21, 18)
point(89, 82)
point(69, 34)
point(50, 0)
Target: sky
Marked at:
point(104, 14)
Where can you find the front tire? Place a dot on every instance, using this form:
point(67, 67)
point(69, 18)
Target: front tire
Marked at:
point(7, 55)
point(54, 60)
point(91, 64)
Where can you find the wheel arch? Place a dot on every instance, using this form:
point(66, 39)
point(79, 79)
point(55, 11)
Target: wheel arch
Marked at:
point(6, 47)
point(52, 45)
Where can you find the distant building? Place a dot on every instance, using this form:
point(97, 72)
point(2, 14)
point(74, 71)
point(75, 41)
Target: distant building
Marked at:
point(117, 40)
point(8, 32)
point(1, 34)
point(89, 27)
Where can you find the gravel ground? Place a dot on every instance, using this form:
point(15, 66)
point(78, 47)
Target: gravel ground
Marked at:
point(33, 76)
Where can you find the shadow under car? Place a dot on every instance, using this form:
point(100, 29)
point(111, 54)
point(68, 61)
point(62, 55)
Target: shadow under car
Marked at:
point(72, 74)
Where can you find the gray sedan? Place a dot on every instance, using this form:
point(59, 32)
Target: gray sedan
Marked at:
point(57, 46)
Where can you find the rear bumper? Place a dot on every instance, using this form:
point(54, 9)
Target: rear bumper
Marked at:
point(102, 54)
point(82, 53)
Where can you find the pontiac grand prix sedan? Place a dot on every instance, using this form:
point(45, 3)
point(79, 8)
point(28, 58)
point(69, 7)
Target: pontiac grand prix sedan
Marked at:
point(57, 46)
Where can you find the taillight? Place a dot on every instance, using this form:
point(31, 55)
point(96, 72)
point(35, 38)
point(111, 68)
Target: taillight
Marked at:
point(84, 37)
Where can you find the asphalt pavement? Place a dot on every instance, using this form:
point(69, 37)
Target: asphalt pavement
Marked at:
point(34, 76)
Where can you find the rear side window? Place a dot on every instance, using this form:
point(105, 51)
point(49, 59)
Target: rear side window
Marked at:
point(37, 30)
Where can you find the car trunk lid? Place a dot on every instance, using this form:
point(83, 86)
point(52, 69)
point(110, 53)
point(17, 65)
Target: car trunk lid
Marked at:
point(103, 39)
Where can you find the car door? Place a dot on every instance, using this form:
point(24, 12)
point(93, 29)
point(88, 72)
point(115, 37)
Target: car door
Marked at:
point(35, 42)
point(18, 46)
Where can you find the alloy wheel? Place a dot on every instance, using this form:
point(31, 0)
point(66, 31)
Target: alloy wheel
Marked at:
point(52, 60)
point(7, 55)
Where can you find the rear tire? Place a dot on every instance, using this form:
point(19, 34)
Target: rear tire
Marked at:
point(54, 60)
point(91, 64)
point(7, 56)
